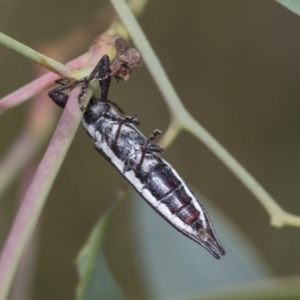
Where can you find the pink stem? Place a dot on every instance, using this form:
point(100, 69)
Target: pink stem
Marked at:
point(35, 87)
point(37, 193)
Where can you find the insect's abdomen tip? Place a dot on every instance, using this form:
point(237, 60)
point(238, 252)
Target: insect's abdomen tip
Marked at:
point(220, 254)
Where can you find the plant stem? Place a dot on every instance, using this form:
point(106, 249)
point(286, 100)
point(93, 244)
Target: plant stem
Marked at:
point(35, 56)
point(36, 86)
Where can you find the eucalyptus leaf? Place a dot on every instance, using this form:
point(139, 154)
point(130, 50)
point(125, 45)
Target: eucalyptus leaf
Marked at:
point(95, 279)
point(292, 5)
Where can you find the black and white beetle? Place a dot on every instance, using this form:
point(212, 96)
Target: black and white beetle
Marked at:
point(127, 149)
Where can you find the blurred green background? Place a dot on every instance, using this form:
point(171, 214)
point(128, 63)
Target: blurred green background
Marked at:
point(236, 66)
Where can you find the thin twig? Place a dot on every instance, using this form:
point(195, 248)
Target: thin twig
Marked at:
point(278, 216)
point(36, 86)
point(35, 56)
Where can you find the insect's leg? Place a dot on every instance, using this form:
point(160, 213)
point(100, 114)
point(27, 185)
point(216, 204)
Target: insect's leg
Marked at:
point(101, 70)
point(131, 120)
point(102, 73)
point(121, 121)
point(147, 147)
point(104, 86)
point(82, 93)
point(65, 80)
point(105, 74)
point(57, 94)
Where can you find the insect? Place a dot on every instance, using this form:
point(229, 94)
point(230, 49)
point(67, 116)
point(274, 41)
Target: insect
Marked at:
point(118, 140)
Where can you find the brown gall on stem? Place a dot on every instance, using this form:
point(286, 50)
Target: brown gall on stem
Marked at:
point(126, 60)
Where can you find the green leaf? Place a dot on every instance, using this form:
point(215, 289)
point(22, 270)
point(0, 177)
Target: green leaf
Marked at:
point(95, 279)
point(293, 5)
